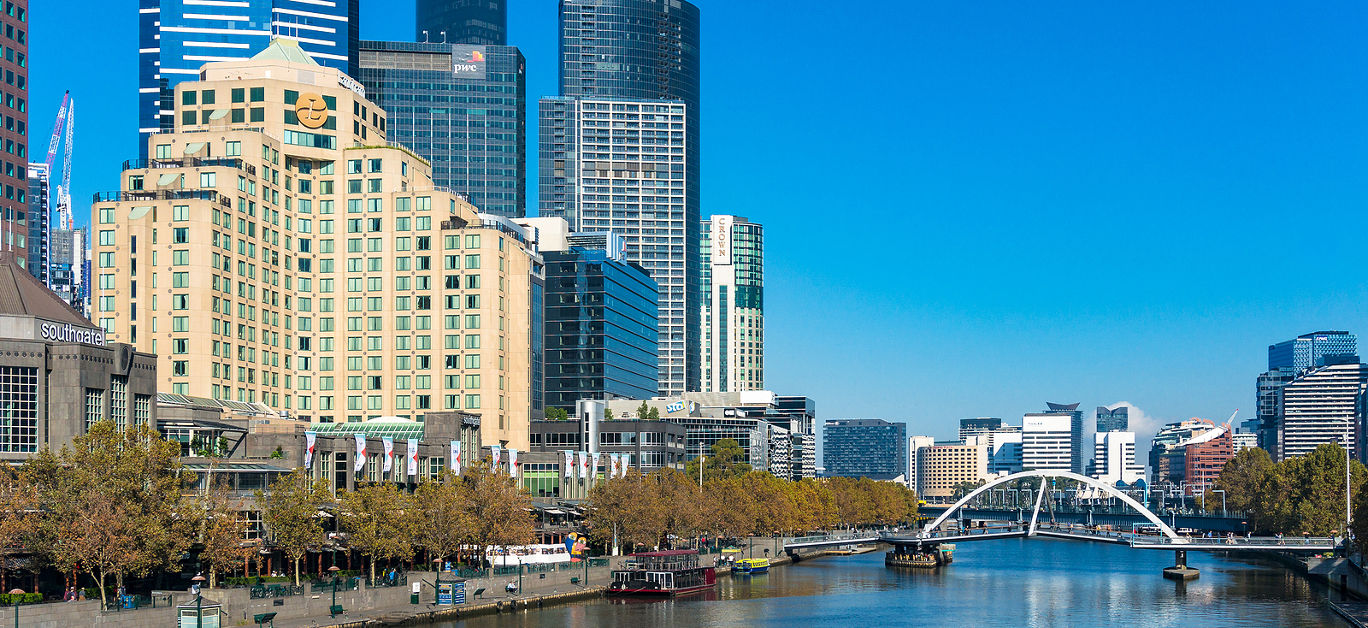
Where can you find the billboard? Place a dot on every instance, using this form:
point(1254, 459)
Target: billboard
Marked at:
point(721, 240)
point(468, 62)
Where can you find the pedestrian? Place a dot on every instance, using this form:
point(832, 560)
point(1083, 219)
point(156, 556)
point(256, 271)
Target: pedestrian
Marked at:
point(80, 595)
point(68, 595)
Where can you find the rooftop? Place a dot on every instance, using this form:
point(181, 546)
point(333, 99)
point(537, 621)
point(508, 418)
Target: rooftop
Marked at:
point(284, 50)
point(21, 294)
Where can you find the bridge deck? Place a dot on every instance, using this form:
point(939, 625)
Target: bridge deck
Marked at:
point(1082, 533)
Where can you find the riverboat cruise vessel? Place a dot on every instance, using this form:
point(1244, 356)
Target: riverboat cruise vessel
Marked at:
point(662, 574)
point(751, 566)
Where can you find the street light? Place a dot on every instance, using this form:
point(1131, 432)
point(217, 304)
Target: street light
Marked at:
point(332, 612)
point(520, 570)
point(199, 601)
point(1223, 493)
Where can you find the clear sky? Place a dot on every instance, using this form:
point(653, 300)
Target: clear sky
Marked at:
point(971, 208)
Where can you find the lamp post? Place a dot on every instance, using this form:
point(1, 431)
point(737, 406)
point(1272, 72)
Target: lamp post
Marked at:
point(520, 570)
point(1223, 494)
point(199, 602)
point(331, 611)
point(1348, 513)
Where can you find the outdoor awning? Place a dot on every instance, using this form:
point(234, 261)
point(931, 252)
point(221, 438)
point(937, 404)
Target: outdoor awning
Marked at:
point(218, 115)
point(166, 179)
point(555, 511)
point(139, 212)
point(193, 148)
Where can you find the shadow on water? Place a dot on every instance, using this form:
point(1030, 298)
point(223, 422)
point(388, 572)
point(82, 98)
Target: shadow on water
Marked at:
point(1008, 582)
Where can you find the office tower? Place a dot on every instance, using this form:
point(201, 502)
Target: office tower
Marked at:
point(941, 469)
point(1168, 449)
point(600, 325)
point(914, 446)
point(1113, 419)
point(1243, 440)
point(14, 183)
point(979, 425)
point(177, 37)
point(620, 150)
point(1047, 441)
point(481, 22)
point(67, 267)
point(1267, 397)
point(461, 106)
point(1322, 405)
point(1076, 453)
point(732, 250)
point(39, 229)
point(1003, 447)
point(1114, 457)
point(872, 448)
point(1311, 350)
point(1205, 457)
point(797, 415)
point(300, 262)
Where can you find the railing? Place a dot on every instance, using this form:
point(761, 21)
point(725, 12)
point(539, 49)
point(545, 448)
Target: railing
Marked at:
point(158, 195)
point(262, 592)
point(341, 584)
point(1268, 542)
point(399, 580)
point(188, 162)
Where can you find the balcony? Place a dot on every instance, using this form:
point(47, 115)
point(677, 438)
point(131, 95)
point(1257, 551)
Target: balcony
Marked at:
point(189, 162)
point(160, 195)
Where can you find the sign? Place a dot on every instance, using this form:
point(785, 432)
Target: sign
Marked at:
point(458, 593)
point(593, 468)
point(584, 465)
point(494, 456)
point(352, 84)
point(569, 466)
point(413, 457)
point(468, 62)
point(721, 240)
point(513, 462)
point(360, 452)
point(311, 110)
point(445, 591)
point(681, 406)
point(456, 457)
point(389, 453)
point(310, 442)
point(66, 332)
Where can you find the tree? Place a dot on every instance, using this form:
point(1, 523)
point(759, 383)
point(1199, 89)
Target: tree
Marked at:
point(557, 414)
point(607, 414)
point(442, 523)
point(18, 505)
point(964, 488)
point(289, 509)
point(725, 460)
point(1249, 480)
point(628, 508)
point(644, 411)
point(221, 532)
point(499, 510)
point(379, 521)
point(1312, 487)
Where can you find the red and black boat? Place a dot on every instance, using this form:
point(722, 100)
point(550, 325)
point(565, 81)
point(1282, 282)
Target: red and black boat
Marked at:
point(662, 574)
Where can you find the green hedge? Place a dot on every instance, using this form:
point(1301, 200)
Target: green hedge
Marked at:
point(247, 582)
point(10, 599)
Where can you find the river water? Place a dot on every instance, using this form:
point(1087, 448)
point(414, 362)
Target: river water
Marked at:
point(1007, 582)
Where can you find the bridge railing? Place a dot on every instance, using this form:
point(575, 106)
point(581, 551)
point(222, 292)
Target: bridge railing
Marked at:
point(1241, 541)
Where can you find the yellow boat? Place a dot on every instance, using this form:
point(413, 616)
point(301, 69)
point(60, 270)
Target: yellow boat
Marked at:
point(751, 566)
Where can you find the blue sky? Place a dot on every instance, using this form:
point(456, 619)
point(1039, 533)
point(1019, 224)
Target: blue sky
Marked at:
point(972, 208)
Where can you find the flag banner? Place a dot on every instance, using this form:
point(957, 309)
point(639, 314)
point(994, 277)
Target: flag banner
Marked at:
point(612, 466)
point(584, 465)
point(456, 457)
point(569, 465)
point(513, 462)
point(494, 456)
point(360, 453)
point(413, 457)
point(389, 453)
point(593, 468)
point(310, 441)
point(626, 464)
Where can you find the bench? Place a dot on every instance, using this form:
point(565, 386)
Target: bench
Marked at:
point(478, 592)
point(574, 580)
point(335, 610)
point(262, 619)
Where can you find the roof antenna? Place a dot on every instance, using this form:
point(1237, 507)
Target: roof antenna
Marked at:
point(444, 37)
point(425, 37)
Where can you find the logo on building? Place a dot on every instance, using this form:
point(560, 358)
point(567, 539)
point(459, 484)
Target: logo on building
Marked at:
point(311, 110)
point(721, 240)
point(58, 332)
point(468, 62)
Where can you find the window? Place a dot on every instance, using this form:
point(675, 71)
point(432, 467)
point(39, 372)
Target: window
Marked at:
point(180, 213)
point(258, 94)
point(233, 149)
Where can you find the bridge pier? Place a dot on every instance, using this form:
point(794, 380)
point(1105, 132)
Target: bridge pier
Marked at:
point(1180, 571)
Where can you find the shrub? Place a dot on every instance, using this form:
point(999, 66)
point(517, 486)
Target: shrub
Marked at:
point(10, 599)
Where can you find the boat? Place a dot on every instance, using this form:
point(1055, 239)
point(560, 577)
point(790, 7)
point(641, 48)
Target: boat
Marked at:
point(920, 559)
point(662, 574)
point(751, 566)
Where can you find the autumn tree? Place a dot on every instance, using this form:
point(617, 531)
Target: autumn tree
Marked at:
point(18, 510)
point(627, 508)
point(221, 531)
point(499, 510)
point(726, 459)
point(442, 522)
point(679, 497)
point(1250, 482)
point(289, 510)
point(378, 519)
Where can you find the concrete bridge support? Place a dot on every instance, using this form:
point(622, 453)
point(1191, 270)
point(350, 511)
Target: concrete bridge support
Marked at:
point(1180, 570)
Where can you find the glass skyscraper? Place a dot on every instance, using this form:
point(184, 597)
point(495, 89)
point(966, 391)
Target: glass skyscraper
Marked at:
point(462, 107)
point(176, 37)
point(732, 251)
point(620, 151)
point(871, 448)
point(1113, 419)
point(1311, 350)
point(483, 22)
point(39, 231)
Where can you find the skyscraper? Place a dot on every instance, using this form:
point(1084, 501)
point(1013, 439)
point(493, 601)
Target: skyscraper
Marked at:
point(872, 448)
point(462, 107)
point(619, 150)
point(733, 318)
point(1076, 453)
point(1311, 350)
point(39, 229)
point(1046, 441)
point(1114, 457)
point(1267, 399)
point(1287, 360)
point(1113, 419)
point(978, 425)
point(14, 65)
point(1323, 405)
point(176, 37)
point(482, 22)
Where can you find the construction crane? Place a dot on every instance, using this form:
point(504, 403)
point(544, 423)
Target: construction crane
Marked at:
point(64, 192)
point(57, 129)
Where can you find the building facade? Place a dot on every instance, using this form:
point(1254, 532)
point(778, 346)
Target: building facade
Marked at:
point(1268, 397)
point(1114, 458)
point(1113, 419)
point(461, 106)
point(797, 415)
point(1047, 442)
point(1077, 455)
point(1323, 405)
point(872, 448)
point(176, 37)
point(1169, 447)
point(978, 425)
point(942, 469)
point(733, 278)
point(14, 183)
point(1204, 458)
point(1003, 447)
point(40, 197)
point(483, 22)
point(297, 260)
point(1311, 350)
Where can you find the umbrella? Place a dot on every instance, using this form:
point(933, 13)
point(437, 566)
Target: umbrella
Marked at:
point(16, 592)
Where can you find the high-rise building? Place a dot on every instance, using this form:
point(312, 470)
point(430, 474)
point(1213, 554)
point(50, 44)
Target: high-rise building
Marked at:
point(914, 445)
point(620, 150)
point(14, 205)
point(69, 267)
point(943, 469)
point(872, 448)
point(1077, 456)
point(979, 425)
point(733, 318)
point(297, 260)
point(1046, 441)
point(462, 106)
point(1268, 412)
point(176, 37)
point(1323, 405)
point(1311, 350)
point(39, 229)
point(1205, 457)
point(1114, 457)
point(1113, 419)
point(600, 324)
point(1168, 449)
point(798, 415)
point(483, 22)
point(1003, 448)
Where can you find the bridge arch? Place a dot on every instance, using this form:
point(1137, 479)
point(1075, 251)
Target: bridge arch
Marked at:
point(1042, 473)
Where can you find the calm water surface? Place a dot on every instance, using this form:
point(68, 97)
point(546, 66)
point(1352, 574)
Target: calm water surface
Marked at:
point(1009, 582)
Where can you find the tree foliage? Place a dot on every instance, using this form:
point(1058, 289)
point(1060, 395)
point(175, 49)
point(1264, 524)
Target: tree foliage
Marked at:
point(443, 522)
point(726, 459)
point(221, 531)
point(18, 503)
point(290, 511)
point(379, 521)
point(498, 509)
point(1303, 494)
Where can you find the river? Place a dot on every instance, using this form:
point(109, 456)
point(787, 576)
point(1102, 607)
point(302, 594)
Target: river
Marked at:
point(1008, 582)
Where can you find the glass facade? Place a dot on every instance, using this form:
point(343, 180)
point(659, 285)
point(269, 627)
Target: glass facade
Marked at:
point(462, 107)
point(872, 448)
point(176, 37)
point(600, 329)
point(1311, 350)
point(462, 22)
point(732, 252)
point(39, 212)
point(18, 409)
point(1113, 419)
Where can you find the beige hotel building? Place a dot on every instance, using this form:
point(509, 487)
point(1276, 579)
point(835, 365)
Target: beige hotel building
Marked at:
point(276, 249)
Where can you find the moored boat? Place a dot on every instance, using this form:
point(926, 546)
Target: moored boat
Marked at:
point(928, 558)
point(751, 566)
point(662, 574)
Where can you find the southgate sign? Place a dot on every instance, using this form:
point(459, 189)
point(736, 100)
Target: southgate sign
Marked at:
point(66, 332)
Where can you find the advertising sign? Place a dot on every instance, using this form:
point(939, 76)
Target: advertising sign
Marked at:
point(468, 62)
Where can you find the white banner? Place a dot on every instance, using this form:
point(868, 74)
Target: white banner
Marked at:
point(513, 462)
point(624, 465)
point(593, 468)
point(413, 457)
point(494, 456)
point(569, 465)
point(360, 453)
point(584, 465)
point(456, 457)
point(612, 466)
point(310, 441)
point(388, 441)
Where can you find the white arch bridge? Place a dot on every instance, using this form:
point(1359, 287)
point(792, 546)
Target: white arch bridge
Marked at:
point(1165, 539)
